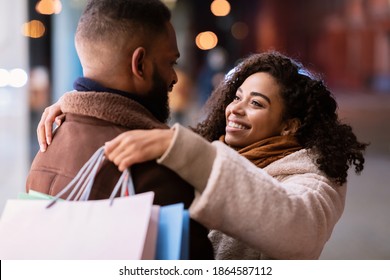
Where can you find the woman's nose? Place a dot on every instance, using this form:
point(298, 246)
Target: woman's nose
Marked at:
point(237, 108)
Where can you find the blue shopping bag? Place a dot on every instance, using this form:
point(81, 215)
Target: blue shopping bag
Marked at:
point(173, 233)
point(185, 240)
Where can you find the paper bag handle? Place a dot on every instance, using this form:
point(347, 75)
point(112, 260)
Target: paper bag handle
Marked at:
point(82, 183)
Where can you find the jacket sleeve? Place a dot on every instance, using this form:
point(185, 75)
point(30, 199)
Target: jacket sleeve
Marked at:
point(288, 218)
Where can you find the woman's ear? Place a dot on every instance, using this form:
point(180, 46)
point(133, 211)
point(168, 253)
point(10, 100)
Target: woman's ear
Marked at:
point(291, 126)
point(138, 62)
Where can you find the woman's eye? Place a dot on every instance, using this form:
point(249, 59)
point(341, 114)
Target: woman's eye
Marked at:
point(257, 104)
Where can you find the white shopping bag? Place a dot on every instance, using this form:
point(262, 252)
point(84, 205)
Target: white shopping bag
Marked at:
point(87, 230)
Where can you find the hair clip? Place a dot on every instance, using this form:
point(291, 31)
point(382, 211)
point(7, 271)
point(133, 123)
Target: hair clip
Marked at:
point(305, 72)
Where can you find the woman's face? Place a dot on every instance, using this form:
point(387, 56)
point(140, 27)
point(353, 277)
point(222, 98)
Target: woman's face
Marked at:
point(256, 111)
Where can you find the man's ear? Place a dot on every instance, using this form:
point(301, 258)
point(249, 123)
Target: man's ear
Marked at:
point(291, 126)
point(138, 62)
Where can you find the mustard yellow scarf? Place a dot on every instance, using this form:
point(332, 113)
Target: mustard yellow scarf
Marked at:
point(268, 150)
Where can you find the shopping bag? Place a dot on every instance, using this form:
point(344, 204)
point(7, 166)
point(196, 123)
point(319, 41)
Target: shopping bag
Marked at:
point(185, 240)
point(114, 228)
point(34, 195)
point(173, 234)
point(171, 226)
point(149, 252)
point(75, 230)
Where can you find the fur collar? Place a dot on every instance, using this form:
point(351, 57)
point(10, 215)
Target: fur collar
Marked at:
point(109, 107)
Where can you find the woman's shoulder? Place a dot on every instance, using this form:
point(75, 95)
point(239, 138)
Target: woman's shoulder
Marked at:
point(299, 162)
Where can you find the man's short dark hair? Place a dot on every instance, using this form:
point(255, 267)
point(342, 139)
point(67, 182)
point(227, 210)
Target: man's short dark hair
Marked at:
point(108, 19)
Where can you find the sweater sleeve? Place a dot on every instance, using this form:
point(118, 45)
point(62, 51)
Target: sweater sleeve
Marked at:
point(190, 156)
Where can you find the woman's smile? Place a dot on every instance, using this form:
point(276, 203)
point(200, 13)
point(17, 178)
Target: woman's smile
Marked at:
point(232, 125)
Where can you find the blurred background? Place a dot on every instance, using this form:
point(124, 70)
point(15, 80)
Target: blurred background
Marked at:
point(346, 41)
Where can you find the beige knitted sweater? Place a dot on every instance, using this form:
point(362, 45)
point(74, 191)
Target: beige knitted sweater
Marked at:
point(284, 211)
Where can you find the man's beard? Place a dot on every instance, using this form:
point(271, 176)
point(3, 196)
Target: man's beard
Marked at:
point(156, 100)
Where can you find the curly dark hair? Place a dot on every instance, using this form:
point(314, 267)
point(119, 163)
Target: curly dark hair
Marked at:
point(305, 97)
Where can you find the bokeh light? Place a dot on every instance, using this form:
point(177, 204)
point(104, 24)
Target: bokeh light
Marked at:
point(33, 29)
point(220, 8)
point(18, 78)
point(48, 7)
point(14, 78)
point(206, 40)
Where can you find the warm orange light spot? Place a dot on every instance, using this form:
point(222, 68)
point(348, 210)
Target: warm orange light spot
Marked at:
point(33, 29)
point(48, 7)
point(206, 40)
point(220, 8)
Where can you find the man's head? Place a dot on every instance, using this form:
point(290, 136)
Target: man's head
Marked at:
point(130, 45)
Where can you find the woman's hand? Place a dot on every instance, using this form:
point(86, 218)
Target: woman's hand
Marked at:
point(52, 114)
point(138, 146)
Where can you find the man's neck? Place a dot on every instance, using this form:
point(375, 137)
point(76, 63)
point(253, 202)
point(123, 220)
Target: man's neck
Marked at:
point(88, 84)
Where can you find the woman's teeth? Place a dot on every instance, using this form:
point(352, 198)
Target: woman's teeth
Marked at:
point(236, 125)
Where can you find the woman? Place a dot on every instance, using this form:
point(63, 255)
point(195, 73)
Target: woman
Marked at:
point(272, 182)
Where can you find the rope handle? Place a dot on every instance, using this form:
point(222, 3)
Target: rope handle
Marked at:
point(82, 183)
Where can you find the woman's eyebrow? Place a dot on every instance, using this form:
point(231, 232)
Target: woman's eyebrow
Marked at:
point(254, 93)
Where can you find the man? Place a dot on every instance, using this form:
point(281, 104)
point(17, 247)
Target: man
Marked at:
point(128, 50)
